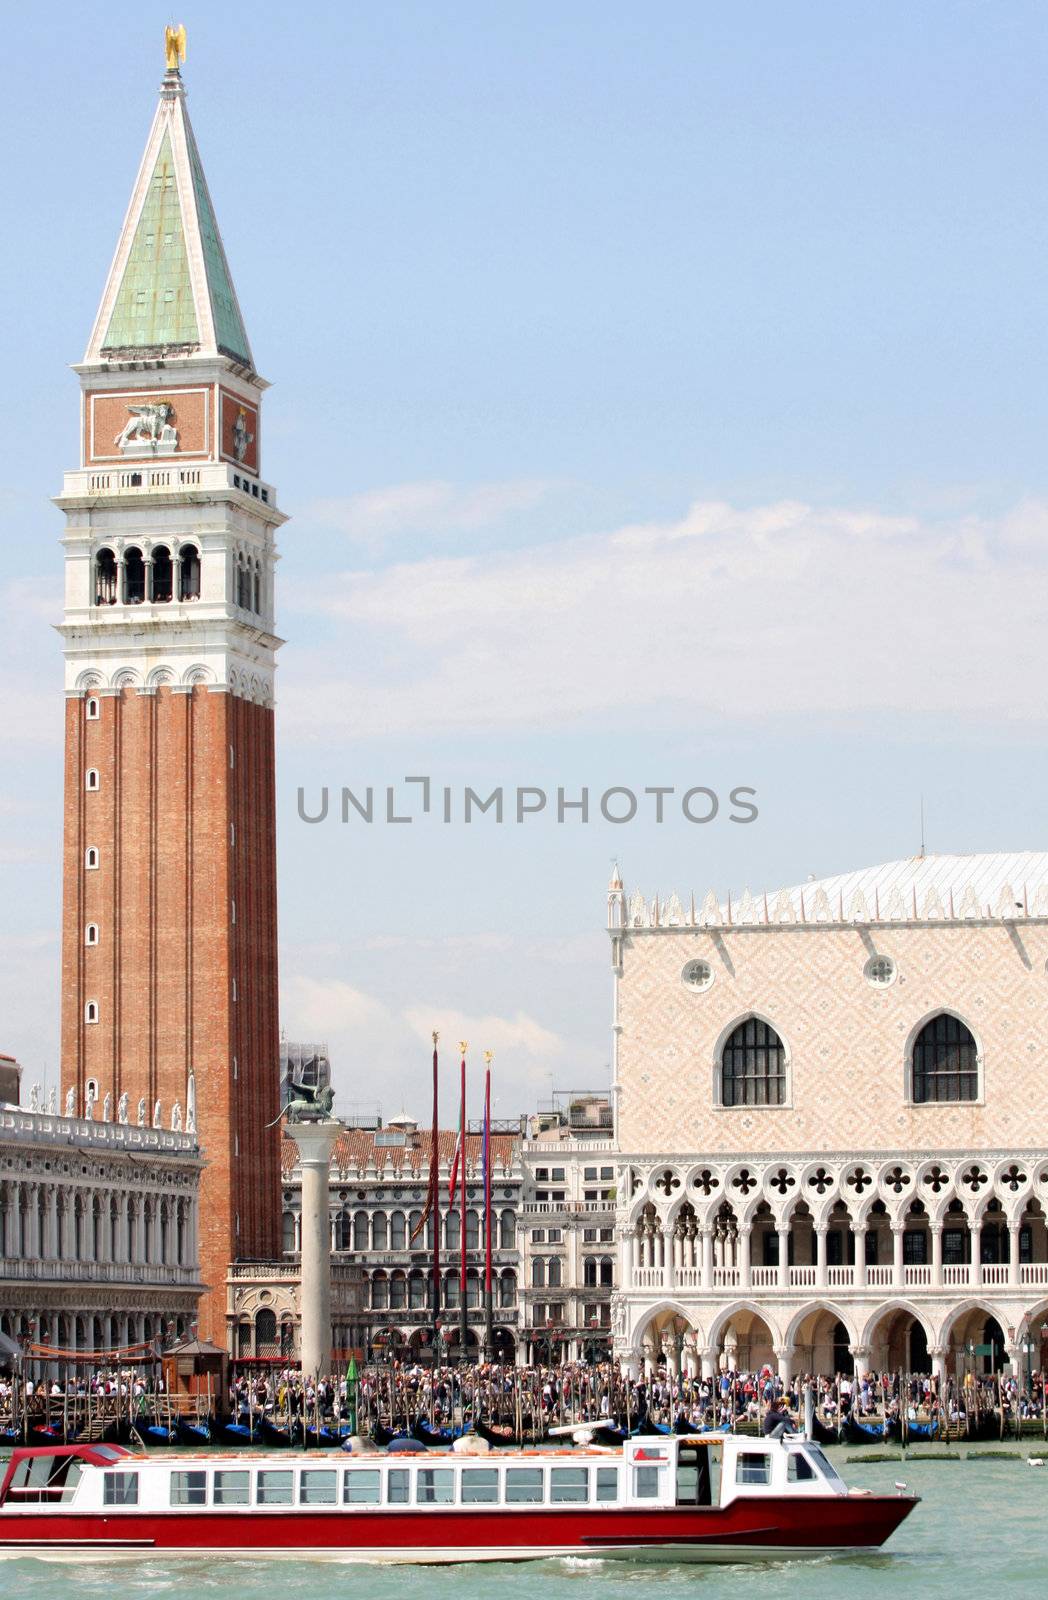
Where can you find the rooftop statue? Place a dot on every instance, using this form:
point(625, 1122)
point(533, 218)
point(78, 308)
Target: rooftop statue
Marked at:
point(175, 46)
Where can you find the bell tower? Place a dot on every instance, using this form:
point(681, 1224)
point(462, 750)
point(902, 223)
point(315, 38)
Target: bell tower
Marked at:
point(169, 942)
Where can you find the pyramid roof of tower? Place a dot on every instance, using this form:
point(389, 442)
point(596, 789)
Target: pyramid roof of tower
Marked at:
point(169, 290)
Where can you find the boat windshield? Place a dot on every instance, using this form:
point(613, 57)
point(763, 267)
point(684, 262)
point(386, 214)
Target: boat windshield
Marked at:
point(813, 1452)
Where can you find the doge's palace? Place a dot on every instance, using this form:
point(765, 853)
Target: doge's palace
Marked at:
point(830, 1111)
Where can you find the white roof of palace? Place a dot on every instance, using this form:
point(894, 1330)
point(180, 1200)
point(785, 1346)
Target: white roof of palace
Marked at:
point(1005, 885)
point(985, 874)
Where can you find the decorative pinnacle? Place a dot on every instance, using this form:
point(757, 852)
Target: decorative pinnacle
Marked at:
point(175, 46)
point(463, 1045)
point(436, 1035)
point(489, 1056)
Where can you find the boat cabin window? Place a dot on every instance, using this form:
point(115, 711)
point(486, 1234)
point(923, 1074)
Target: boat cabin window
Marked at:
point(435, 1485)
point(695, 1477)
point(646, 1483)
point(362, 1487)
point(568, 1484)
point(523, 1484)
point(40, 1479)
point(480, 1486)
point(318, 1486)
point(275, 1487)
point(798, 1468)
point(189, 1488)
point(607, 1483)
point(120, 1489)
point(232, 1488)
point(753, 1467)
point(397, 1487)
point(823, 1463)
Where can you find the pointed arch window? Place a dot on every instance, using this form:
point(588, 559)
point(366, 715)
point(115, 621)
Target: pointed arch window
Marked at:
point(753, 1066)
point(945, 1061)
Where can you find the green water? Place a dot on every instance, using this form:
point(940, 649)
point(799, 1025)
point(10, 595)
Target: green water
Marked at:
point(981, 1530)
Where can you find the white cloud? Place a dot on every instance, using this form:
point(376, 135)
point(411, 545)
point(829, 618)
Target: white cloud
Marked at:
point(380, 1053)
point(726, 613)
point(520, 1033)
point(376, 515)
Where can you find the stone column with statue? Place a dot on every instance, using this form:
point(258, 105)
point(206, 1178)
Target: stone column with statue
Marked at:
point(310, 1123)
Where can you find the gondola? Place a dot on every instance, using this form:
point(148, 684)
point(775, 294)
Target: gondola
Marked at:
point(275, 1438)
point(498, 1438)
point(607, 1434)
point(682, 1426)
point(921, 1430)
point(190, 1432)
point(822, 1433)
point(154, 1433)
point(43, 1434)
point(853, 1432)
point(237, 1434)
point(434, 1438)
point(322, 1438)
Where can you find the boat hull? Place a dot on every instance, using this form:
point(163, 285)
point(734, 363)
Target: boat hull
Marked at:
point(763, 1529)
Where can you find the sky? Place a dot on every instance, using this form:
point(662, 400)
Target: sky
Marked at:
point(658, 400)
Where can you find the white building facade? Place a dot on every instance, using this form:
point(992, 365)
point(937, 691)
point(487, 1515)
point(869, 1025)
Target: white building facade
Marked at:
point(99, 1226)
point(830, 1107)
point(569, 1264)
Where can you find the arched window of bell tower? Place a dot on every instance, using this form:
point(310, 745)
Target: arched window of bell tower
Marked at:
point(160, 564)
point(105, 578)
point(134, 577)
point(189, 573)
point(256, 597)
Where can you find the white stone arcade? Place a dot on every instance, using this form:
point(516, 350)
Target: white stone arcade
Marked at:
point(832, 1263)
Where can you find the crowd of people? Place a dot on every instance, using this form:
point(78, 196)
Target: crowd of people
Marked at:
point(528, 1401)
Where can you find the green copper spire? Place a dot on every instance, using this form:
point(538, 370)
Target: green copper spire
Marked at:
point(230, 335)
point(154, 304)
point(170, 290)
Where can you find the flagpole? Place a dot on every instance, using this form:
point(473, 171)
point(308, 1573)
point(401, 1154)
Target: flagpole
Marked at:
point(434, 1209)
point(489, 1317)
point(463, 1311)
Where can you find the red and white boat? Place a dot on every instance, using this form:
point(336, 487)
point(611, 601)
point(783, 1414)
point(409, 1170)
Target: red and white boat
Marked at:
point(702, 1498)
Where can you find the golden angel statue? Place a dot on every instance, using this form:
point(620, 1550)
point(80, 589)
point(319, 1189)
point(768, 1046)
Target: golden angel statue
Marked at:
point(175, 46)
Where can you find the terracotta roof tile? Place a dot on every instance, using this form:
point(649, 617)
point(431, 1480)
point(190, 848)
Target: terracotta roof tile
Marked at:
point(355, 1152)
